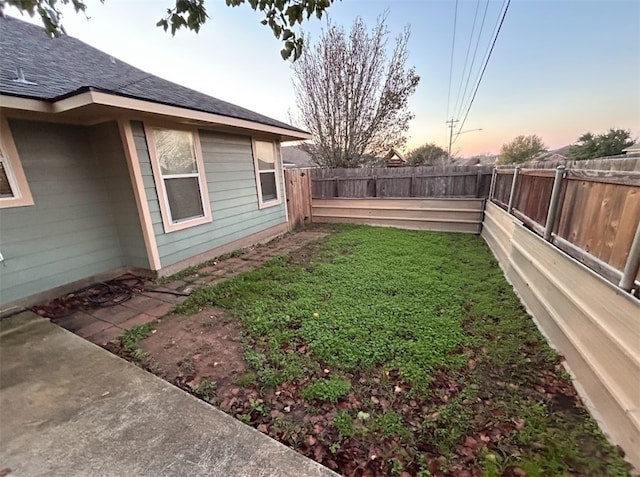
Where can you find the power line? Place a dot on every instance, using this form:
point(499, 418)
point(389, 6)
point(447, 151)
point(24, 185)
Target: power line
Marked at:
point(466, 58)
point(473, 60)
point(453, 45)
point(484, 68)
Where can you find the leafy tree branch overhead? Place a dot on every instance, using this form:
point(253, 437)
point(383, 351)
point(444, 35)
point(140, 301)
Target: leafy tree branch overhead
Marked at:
point(279, 15)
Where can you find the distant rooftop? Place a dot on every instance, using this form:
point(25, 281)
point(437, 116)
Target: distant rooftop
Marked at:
point(295, 157)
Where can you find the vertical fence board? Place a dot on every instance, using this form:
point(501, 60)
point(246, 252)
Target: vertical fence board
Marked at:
point(628, 223)
point(401, 182)
point(599, 211)
point(298, 191)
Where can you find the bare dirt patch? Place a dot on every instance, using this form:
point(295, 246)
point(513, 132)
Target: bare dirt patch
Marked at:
point(187, 350)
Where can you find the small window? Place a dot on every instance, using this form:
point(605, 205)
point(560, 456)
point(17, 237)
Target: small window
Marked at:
point(14, 190)
point(180, 178)
point(266, 165)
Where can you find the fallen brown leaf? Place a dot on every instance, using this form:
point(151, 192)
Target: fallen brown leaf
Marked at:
point(319, 453)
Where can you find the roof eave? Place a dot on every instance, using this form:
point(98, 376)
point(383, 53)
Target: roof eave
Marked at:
point(87, 96)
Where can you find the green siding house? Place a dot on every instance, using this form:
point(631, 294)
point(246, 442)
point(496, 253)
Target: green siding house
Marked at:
point(105, 169)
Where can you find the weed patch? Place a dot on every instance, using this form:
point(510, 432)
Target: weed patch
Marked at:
point(205, 389)
point(129, 339)
point(326, 390)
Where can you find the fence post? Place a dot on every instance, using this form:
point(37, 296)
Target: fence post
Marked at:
point(554, 203)
point(512, 194)
point(494, 174)
point(478, 182)
point(632, 265)
point(411, 181)
point(337, 186)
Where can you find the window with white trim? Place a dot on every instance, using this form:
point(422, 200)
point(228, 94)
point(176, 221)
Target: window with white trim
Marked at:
point(14, 190)
point(180, 176)
point(266, 165)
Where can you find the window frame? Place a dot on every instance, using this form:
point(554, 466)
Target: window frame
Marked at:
point(13, 167)
point(277, 173)
point(159, 179)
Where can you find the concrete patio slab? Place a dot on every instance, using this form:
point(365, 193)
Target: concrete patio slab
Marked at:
point(70, 408)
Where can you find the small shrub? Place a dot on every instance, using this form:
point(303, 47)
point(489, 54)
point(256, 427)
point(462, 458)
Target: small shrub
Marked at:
point(235, 254)
point(130, 338)
point(205, 389)
point(326, 390)
point(344, 424)
point(490, 465)
point(257, 405)
point(390, 424)
point(186, 366)
point(245, 380)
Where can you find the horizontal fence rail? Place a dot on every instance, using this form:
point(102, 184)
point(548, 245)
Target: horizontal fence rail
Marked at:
point(593, 216)
point(402, 182)
point(443, 215)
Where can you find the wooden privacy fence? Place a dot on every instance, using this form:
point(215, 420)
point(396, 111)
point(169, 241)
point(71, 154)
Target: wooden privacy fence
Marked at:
point(298, 191)
point(592, 215)
point(402, 182)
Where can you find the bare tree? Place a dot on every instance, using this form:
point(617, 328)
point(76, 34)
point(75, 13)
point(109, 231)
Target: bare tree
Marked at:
point(351, 96)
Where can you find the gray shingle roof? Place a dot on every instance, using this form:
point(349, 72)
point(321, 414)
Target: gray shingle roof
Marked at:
point(63, 66)
point(296, 156)
point(633, 148)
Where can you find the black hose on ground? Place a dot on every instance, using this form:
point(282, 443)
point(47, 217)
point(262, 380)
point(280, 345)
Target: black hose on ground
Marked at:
point(101, 294)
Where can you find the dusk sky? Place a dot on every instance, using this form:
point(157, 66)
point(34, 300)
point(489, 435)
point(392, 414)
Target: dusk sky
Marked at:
point(559, 68)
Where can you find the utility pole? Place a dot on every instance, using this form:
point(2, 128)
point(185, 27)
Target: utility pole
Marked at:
point(451, 124)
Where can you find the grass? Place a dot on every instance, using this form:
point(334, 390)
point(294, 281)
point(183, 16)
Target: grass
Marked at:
point(128, 341)
point(356, 311)
point(326, 390)
point(417, 346)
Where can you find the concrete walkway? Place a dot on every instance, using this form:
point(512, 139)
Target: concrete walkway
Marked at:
point(70, 408)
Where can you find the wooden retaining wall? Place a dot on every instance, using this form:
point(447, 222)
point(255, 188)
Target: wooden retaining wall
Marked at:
point(443, 215)
point(592, 323)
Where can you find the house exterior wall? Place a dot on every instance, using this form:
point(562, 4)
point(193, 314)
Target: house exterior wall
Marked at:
point(230, 175)
point(69, 233)
point(107, 149)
